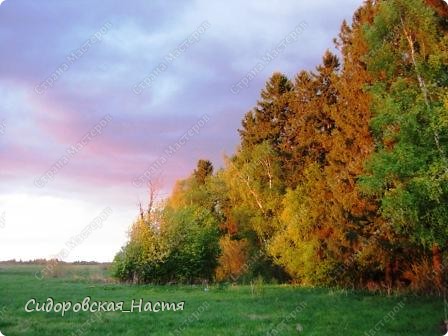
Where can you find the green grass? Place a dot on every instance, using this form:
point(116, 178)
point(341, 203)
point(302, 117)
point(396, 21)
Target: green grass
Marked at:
point(218, 311)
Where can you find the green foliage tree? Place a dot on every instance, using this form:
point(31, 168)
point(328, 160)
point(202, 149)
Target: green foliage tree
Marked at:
point(140, 260)
point(193, 239)
point(409, 171)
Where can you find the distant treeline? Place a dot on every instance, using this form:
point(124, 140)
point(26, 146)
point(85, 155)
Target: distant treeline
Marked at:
point(45, 262)
point(341, 176)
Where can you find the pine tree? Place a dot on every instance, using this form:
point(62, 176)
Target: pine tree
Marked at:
point(203, 170)
point(266, 122)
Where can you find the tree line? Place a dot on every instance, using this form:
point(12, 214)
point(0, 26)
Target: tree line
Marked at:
point(340, 178)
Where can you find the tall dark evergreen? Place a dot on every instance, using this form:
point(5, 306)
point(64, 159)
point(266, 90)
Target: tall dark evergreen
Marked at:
point(203, 170)
point(266, 122)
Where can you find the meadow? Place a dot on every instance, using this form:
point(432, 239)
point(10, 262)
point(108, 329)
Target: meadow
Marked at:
point(216, 310)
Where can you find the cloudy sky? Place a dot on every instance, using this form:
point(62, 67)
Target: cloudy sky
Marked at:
point(93, 93)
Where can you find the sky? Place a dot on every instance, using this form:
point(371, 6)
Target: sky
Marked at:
point(96, 98)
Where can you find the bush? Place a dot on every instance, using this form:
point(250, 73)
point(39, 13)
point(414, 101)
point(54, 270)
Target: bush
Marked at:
point(184, 249)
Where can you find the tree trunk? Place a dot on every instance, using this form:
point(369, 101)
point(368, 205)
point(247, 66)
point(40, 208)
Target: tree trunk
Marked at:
point(388, 273)
point(437, 265)
point(396, 272)
point(424, 89)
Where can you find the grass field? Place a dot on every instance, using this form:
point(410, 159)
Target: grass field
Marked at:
point(232, 310)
